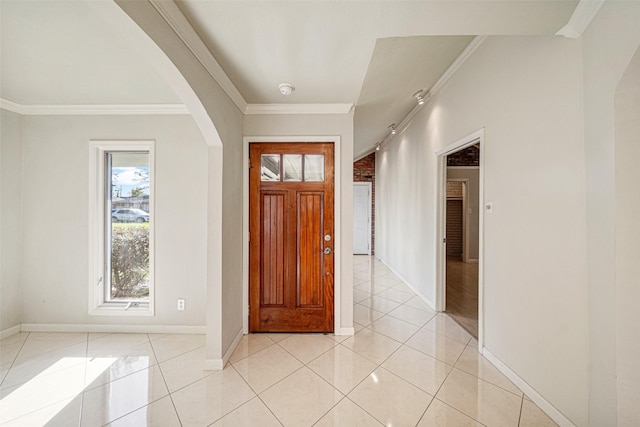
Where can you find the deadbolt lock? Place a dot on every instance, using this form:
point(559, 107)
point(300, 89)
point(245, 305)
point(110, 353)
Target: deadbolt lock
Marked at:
point(327, 251)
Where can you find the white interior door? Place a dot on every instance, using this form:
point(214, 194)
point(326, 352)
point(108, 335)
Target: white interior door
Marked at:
point(362, 218)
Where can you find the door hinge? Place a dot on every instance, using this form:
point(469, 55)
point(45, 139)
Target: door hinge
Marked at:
point(249, 236)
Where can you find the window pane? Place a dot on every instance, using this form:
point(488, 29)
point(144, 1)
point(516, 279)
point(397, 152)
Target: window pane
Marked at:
point(128, 230)
point(270, 167)
point(314, 167)
point(292, 167)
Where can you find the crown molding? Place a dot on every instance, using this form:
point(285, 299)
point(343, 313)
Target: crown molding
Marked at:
point(455, 65)
point(167, 109)
point(5, 104)
point(437, 87)
point(94, 110)
point(581, 18)
point(170, 12)
point(298, 109)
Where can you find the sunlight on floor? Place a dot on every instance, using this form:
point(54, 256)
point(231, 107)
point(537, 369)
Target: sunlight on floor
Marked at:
point(40, 399)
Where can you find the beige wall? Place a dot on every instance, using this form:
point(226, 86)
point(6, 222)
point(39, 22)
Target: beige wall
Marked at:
point(55, 206)
point(526, 93)
point(318, 125)
point(10, 219)
point(627, 147)
point(608, 45)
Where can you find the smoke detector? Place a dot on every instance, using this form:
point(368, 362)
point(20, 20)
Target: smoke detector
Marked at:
point(286, 88)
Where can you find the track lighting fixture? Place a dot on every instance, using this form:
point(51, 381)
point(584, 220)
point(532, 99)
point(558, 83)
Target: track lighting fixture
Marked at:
point(418, 95)
point(393, 128)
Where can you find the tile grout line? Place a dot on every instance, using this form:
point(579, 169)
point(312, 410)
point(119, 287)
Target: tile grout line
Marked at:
point(164, 380)
point(257, 395)
point(404, 343)
point(521, 408)
point(84, 381)
point(138, 371)
point(376, 368)
point(487, 381)
point(13, 361)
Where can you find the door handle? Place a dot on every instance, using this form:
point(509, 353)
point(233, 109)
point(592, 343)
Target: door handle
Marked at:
point(327, 251)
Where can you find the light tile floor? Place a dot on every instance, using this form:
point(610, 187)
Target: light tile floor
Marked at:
point(405, 366)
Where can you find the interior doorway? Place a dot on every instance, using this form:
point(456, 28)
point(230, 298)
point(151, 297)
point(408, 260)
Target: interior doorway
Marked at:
point(460, 224)
point(461, 271)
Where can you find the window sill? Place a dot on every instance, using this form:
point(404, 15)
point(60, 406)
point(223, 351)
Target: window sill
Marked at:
point(122, 309)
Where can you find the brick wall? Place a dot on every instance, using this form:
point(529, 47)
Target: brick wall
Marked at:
point(364, 170)
point(470, 156)
point(454, 189)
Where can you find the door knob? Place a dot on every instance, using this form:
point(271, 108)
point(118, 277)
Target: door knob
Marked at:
point(327, 251)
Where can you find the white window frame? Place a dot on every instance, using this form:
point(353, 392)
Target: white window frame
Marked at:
point(97, 233)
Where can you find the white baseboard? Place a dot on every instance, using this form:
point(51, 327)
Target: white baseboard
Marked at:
point(423, 297)
point(127, 329)
point(6, 333)
point(345, 331)
point(542, 403)
point(213, 365)
point(219, 364)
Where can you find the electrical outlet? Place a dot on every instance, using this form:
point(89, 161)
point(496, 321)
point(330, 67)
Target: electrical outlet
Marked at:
point(180, 304)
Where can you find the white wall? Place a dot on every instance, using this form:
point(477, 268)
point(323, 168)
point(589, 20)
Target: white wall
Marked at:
point(319, 125)
point(472, 175)
point(627, 147)
point(55, 214)
point(10, 218)
point(608, 45)
point(526, 92)
point(232, 242)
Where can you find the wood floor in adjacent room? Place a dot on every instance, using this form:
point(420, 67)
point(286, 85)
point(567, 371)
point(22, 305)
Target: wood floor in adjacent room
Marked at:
point(462, 294)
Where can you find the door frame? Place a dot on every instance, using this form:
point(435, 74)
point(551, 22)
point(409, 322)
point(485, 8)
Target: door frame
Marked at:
point(337, 250)
point(476, 137)
point(369, 187)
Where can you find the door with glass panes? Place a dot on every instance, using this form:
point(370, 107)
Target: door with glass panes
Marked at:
point(291, 232)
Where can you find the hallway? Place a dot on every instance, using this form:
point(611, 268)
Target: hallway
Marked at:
point(462, 294)
point(406, 366)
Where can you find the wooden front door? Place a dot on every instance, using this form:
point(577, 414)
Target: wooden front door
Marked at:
point(291, 261)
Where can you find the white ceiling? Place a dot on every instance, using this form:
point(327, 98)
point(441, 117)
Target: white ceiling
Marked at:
point(70, 53)
point(374, 54)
